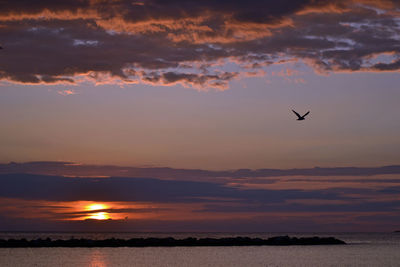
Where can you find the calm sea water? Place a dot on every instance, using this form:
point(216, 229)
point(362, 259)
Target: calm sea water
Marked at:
point(363, 249)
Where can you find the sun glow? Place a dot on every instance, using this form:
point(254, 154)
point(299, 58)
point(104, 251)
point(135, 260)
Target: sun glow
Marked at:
point(101, 215)
point(96, 206)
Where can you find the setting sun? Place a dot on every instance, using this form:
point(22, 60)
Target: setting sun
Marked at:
point(98, 215)
point(96, 206)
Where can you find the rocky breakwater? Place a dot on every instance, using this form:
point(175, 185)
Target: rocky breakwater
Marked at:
point(172, 242)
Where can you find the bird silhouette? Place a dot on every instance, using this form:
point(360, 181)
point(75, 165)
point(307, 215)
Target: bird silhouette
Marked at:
point(300, 118)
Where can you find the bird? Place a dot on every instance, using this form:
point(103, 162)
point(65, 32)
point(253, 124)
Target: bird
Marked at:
point(300, 118)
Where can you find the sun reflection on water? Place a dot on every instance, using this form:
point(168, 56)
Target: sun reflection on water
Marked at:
point(97, 259)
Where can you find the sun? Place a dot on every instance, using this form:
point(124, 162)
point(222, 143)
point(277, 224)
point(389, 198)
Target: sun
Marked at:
point(101, 215)
point(96, 206)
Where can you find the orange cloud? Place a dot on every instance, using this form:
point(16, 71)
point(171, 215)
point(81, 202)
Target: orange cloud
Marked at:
point(78, 210)
point(66, 92)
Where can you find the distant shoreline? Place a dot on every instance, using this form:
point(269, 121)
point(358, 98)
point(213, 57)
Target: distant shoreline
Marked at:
point(172, 242)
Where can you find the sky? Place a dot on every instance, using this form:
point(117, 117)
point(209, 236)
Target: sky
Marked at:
point(158, 104)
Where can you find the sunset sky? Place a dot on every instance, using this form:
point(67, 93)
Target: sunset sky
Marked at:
point(176, 115)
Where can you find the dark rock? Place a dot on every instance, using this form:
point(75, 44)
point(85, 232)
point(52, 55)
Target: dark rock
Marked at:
point(172, 242)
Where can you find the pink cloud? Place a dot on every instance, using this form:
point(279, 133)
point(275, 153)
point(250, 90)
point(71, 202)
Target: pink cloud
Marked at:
point(66, 92)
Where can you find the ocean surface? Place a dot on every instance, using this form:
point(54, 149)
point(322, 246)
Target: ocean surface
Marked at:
point(363, 249)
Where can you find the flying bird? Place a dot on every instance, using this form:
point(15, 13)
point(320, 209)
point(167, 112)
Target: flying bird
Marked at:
point(300, 118)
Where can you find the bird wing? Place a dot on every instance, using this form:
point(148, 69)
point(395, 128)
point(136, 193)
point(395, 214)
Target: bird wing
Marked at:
point(306, 114)
point(297, 114)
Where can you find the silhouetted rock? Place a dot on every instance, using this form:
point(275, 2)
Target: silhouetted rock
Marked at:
point(172, 242)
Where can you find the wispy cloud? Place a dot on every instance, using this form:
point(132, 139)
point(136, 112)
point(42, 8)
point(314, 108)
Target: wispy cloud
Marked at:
point(66, 92)
point(72, 169)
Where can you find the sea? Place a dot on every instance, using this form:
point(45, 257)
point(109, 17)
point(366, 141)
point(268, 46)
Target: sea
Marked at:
point(362, 249)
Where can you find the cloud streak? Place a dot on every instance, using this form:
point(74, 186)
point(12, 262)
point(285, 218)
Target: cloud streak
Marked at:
point(72, 169)
point(55, 188)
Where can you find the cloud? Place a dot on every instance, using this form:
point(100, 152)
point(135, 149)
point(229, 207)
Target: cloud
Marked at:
point(66, 92)
point(384, 206)
point(157, 199)
point(216, 195)
point(57, 188)
point(192, 43)
point(71, 169)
